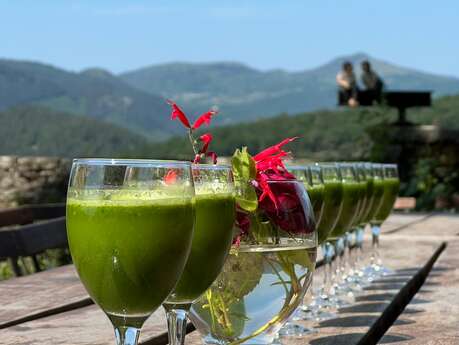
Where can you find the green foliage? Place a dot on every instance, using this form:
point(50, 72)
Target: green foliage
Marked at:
point(95, 93)
point(38, 131)
point(324, 135)
point(244, 171)
point(432, 182)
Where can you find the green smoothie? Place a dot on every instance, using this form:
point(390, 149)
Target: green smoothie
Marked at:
point(212, 238)
point(368, 200)
point(333, 203)
point(316, 195)
point(363, 202)
point(378, 192)
point(129, 252)
point(391, 187)
point(351, 202)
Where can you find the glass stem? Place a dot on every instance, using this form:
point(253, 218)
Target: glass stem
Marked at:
point(359, 250)
point(328, 255)
point(338, 262)
point(176, 323)
point(126, 335)
point(375, 259)
point(348, 257)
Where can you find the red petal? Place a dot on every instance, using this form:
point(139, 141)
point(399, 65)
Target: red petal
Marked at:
point(204, 118)
point(177, 112)
point(213, 155)
point(275, 149)
point(206, 139)
point(170, 177)
point(197, 159)
point(266, 189)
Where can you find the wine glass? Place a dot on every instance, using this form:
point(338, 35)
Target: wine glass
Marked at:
point(351, 203)
point(213, 234)
point(391, 185)
point(371, 272)
point(125, 220)
point(267, 273)
point(365, 174)
point(311, 176)
point(324, 307)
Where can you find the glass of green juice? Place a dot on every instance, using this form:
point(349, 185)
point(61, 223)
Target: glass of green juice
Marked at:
point(352, 193)
point(129, 225)
point(391, 185)
point(351, 275)
point(267, 273)
point(375, 174)
point(365, 173)
point(323, 306)
point(311, 176)
point(215, 210)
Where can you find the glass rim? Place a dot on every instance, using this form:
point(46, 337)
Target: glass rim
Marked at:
point(199, 166)
point(296, 167)
point(284, 181)
point(131, 162)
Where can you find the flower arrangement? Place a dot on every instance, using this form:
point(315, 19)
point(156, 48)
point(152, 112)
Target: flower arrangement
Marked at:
point(255, 178)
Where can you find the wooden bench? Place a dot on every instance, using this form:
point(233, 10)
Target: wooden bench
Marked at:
point(405, 204)
point(53, 307)
point(27, 231)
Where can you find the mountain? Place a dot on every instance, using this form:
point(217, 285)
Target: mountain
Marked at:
point(93, 92)
point(243, 93)
point(39, 131)
point(323, 135)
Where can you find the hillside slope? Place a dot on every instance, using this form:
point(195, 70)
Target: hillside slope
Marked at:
point(323, 135)
point(39, 131)
point(245, 94)
point(94, 92)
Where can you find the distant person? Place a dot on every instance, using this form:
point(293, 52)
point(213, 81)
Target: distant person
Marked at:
point(347, 84)
point(372, 82)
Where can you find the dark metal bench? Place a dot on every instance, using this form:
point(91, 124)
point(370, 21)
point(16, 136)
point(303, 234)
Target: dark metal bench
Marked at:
point(401, 100)
point(27, 231)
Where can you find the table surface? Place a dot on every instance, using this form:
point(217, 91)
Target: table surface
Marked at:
point(53, 307)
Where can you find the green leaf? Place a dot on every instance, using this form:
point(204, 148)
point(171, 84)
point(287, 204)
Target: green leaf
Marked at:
point(244, 171)
point(246, 197)
point(244, 168)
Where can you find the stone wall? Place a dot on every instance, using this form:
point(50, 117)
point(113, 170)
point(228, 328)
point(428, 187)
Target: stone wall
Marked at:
point(32, 180)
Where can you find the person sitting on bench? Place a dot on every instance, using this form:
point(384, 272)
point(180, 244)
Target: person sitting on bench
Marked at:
point(347, 84)
point(372, 82)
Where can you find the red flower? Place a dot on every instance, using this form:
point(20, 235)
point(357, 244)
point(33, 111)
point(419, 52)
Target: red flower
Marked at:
point(271, 167)
point(170, 177)
point(177, 112)
point(206, 139)
point(291, 212)
point(204, 118)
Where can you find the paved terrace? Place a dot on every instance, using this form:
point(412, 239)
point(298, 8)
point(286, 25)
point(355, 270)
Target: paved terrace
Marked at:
point(417, 305)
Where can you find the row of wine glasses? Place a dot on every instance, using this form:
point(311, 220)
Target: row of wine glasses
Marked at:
point(346, 198)
point(146, 233)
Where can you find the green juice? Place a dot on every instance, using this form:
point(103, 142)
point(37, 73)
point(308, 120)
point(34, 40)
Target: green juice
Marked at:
point(316, 195)
point(363, 202)
point(369, 198)
point(129, 253)
point(333, 202)
point(391, 187)
point(378, 192)
point(351, 202)
point(212, 238)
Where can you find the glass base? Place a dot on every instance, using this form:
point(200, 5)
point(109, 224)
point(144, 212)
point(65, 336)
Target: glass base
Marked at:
point(292, 329)
point(262, 339)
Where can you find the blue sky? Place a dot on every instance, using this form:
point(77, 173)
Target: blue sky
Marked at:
point(294, 35)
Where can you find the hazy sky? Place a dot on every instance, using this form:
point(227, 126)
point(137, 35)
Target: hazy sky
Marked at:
point(294, 35)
